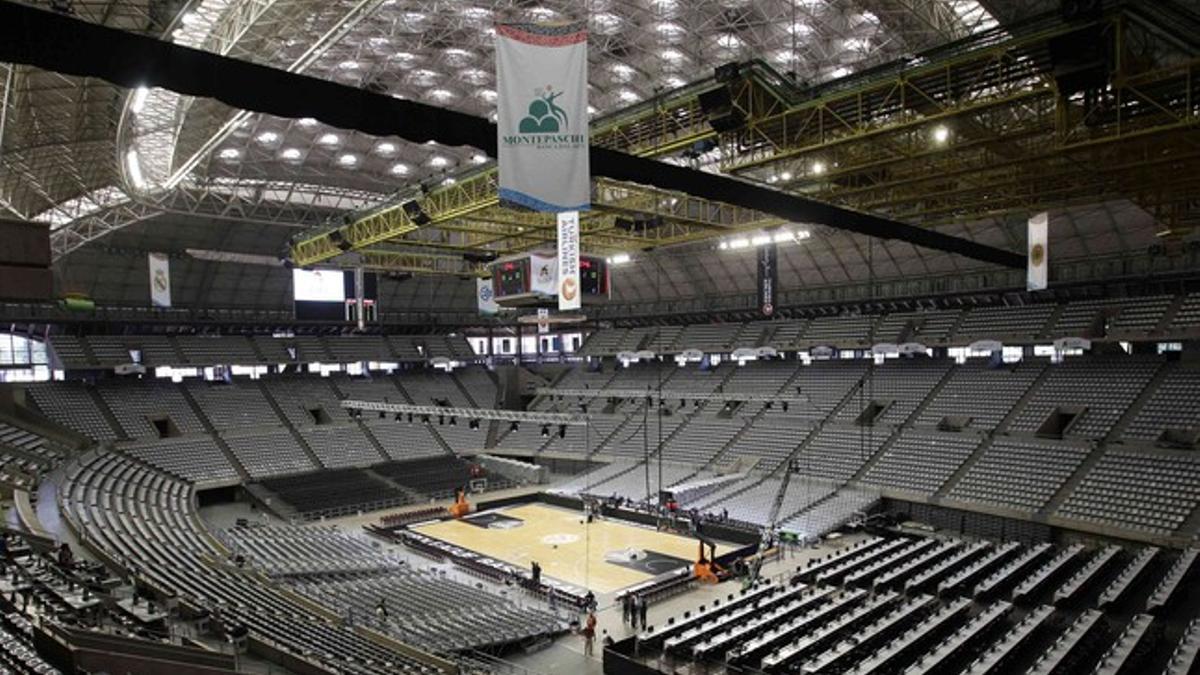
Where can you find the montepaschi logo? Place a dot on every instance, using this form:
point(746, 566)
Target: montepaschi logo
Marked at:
point(546, 125)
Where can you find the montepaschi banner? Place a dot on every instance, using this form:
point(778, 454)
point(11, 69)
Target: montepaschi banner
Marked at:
point(768, 278)
point(542, 118)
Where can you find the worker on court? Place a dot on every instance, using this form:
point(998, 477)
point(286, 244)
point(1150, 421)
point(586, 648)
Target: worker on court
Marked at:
point(589, 634)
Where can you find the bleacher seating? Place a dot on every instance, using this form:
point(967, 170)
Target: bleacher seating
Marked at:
point(237, 405)
point(69, 352)
point(71, 405)
point(1187, 317)
point(341, 445)
point(1020, 474)
point(899, 385)
point(434, 476)
point(840, 329)
point(268, 452)
point(401, 440)
point(138, 404)
point(1141, 318)
point(196, 459)
point(1175, 404)
point(1152, 491)
point(336, 492)
point(921, 462)
point(1024, 323)
point(298, 397)
point(961, 395)
point(836, 453)
point(352, 349)
point(771, 442)
point(1103, 387)
point(202, 350)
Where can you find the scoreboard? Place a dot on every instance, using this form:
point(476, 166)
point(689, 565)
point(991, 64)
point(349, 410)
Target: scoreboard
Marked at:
point(531, 279)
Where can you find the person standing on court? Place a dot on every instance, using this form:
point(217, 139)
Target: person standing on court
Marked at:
point(589, 634)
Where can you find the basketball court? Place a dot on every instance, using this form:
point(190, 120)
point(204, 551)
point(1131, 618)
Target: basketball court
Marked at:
point(605, 556)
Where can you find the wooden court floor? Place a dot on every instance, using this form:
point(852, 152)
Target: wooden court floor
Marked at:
point(567, 549)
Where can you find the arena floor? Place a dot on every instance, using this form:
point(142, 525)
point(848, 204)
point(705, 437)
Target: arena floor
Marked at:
point(592, 556)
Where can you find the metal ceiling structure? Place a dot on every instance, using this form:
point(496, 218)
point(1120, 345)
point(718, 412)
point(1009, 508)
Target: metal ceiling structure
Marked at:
point(817, 92)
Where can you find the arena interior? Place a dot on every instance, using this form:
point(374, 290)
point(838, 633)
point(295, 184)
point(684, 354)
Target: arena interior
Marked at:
point(279, 392)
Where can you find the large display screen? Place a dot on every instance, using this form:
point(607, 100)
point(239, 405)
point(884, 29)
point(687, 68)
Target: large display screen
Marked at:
point(319, 285)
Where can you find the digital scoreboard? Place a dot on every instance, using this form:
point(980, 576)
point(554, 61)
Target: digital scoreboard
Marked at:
point(531, 279)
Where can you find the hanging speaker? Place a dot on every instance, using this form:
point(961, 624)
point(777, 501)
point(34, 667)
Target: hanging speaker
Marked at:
point(717, 104)
point(415, 213)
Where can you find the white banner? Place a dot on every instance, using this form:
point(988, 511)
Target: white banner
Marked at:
point(542, 116)
point(485, 296)
point(1039, 252)
point(570, 295)
point(160, 280)
point(543, 271)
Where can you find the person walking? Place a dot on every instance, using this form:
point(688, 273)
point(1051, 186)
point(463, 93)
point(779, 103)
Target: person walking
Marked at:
point(589, 634)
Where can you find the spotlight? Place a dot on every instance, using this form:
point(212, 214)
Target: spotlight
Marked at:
point(940, 134)
point(545, 430)
point(514, 426)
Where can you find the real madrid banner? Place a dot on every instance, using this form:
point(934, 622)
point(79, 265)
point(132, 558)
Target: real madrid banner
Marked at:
point(160, 280)
point(486, 296)
point(542, 120)
point(568, 261)
point(1039, 244)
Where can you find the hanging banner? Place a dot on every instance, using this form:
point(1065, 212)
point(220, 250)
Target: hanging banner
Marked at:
point(768, 278)
point(569, 292)
point(542, 116)
point(543, 274)
point(485, 296)
point(1039, 252)
point(543, 320)
point(160, 280)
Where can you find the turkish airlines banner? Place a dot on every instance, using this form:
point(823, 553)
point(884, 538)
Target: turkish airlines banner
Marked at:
point(569, 291)
point(160, 280)
point(542, 118)
point(1039, 252)
point(768, 278)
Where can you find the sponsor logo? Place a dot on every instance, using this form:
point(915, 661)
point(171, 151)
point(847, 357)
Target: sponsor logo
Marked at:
point(569, 288)
point(160, 280)
point(545, 125)
point(1037, 255)
point(485, 293)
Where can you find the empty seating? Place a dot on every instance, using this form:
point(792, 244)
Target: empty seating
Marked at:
point(433, 476)
point(150, 409)
point(237, 405)
point(196, 459)
point(403, 440)
point(359, 348)
point(897, 387)
point(1187, 317)
point(1175, 404)
point(1102, 388)
point(1169, 586)
point(271, 452)
point(69, 352)
point(841, 330)
point(1019, 474)
point(203, 350)
point(305, 400)
point(771, 441)
point(708, 337)
point(71, 405)
point(1139, 317)
point(1074, 641)
point(838, 452)
point(1151, 491)
point(981, 394)
point(934, 327)
point(341, 446)
point(336, 492)
point(921, 462)
point(997, 323)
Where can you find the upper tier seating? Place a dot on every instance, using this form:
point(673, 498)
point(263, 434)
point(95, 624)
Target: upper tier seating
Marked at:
point(824, 384)
point(1146, 491)
point(138, 404)
point(963, 394)
point(269, 452)
point(341, 445)
point(934, 327)
point(996, 323)
point(240, 405)
point(1187, 317)
point(401, 440)
point(1139, 318)
point(921, 462)
point(717, 337)
point(69, 352)
point(1019, 473)
point(772, 440)
point(836, 453)
point(841, 329)
point(297, 397)
point(901, 385)
point(155, 350)
point(200, 350)
point(1104, 387)
point(196, 459)
point(71, 405)
point(1175, 404)
point(351, 349)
